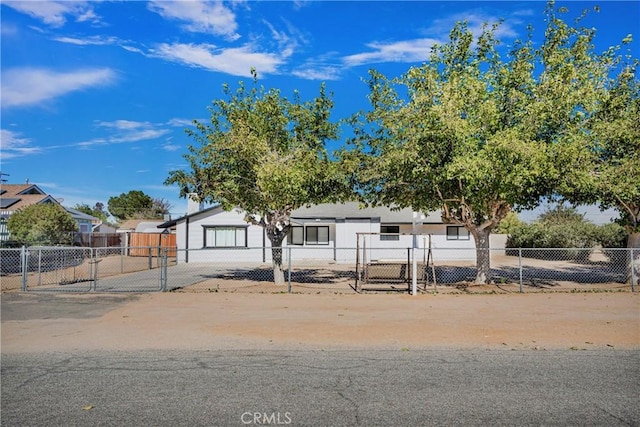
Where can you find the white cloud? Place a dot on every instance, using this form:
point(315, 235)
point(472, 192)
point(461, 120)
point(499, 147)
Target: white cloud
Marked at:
point(234, 61)
point(123, 131)
point(319, 72)
point(170, 147)
point(55, 13)
point(200, 16)
point(419, 49)
point(93, 40)
point(475, 19)
point(180, 122)
point(415, 50)
point(124, 124)
point(29, 86)
point(13, 145)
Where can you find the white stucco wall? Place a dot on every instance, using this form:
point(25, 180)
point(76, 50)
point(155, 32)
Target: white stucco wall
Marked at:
point(341, 248)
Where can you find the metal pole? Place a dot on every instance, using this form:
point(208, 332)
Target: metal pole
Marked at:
point(150, 259)
point(95, 274)
point(24, 260)
point(414, 272)
point(165, 269)
point(633, 272)
point(520, 267)
point(357, 259)
point(289, 269)
point(39, 267)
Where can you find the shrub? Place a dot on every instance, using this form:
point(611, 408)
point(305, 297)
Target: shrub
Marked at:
point(563, 228)
point(47, 224)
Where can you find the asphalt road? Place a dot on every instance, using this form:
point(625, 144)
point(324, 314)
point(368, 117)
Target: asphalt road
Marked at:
point(322, 388)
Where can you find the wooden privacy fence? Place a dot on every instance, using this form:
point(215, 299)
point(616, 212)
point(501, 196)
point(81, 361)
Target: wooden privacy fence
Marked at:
point(139, 244)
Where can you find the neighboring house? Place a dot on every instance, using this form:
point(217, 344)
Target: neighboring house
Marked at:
point(85, 221)
point(140, 226)
point(326, 231)
point(17, 196)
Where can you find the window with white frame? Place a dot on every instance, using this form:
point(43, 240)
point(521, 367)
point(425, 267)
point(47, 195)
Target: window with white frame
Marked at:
point(389, 232)
point(455, 232)
point(225, 237)
point(317, 235)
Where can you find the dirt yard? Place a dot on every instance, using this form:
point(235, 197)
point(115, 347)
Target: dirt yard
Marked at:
point(225, 320)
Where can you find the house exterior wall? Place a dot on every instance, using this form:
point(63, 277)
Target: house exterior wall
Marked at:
point(341, 247)
point(194, 228)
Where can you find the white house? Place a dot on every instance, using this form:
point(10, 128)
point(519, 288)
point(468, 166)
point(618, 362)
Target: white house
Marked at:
point(334, 232)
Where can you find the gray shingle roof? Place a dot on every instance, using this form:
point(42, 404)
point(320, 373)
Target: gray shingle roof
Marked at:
point(352, 210)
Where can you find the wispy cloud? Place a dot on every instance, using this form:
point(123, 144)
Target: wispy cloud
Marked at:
point(124, 131)
point(419, 49)
point(402, 51)
point(318, 72)
point(200, 16)
point(475, 19)
point(56, 13)
point(12, 145)
point(89, 41)
point(235, 61)
point(29, 86)
point(180, 122)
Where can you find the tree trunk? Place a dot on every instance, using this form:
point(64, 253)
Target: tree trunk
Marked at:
point(278, 271)
point(633, 244)
point(276, 234)
point(483, 255)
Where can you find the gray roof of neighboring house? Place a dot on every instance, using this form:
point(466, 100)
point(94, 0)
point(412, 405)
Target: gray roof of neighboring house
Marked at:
point(80, 215)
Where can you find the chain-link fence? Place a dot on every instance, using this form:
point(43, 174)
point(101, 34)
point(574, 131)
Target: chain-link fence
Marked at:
point(79, 269)
point(342, 270)
point(316, 270)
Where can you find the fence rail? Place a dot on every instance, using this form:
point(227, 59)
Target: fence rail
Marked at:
point(307, 270)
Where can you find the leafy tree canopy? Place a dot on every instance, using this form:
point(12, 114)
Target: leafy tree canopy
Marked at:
point(137, 205)
point(611, 139)
point(265, 154)
point(97, 211)
point(476, 135)
point(44, 224)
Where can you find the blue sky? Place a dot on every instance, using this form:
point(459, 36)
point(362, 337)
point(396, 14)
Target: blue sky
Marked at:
point(96, 95)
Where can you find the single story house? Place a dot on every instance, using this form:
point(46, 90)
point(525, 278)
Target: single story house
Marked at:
point(140, 226)
point(335, 232)
point(16, 196)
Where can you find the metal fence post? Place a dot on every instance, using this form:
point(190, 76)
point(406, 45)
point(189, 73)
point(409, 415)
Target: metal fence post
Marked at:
point(520, 267)
point(633, 272)
point(150, 259)
point(164, 269)
point(39, 267)
point(95, 274)
point(25, 266)
point(289, 270)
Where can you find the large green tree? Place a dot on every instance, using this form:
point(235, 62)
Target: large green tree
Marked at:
point(265, 154)
point(44, 224)
point(137, 205)
point(611, 137)
point(474, 133)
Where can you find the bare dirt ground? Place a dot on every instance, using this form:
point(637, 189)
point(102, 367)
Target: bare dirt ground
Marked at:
point(226, 320)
